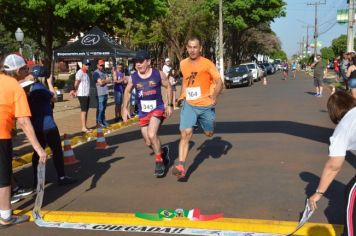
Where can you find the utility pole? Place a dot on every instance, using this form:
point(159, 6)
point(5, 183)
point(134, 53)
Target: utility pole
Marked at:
point(221, 41)
point(350, 26)
point(316, 4)
point(307, 39)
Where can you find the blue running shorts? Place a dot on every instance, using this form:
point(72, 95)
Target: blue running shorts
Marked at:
point(189, 116)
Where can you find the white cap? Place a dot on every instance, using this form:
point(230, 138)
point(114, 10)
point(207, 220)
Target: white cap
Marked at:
point(167, 59)
point(13, 62)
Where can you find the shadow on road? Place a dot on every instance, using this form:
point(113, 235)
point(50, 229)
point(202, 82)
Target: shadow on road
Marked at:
point(336, 209)
point(214, 148)
point(93, 165)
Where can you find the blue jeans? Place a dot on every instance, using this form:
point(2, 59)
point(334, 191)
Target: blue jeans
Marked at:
point(100, 109)
point(118, 97)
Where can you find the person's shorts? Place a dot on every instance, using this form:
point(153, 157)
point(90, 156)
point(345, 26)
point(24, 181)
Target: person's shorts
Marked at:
point(159, 114)
point(352, 83)
point(118, 98)
point(190, 115)
point(5, 162)
point(174, 88)
point(84, 102)
point(285, 71)
point(318, 82)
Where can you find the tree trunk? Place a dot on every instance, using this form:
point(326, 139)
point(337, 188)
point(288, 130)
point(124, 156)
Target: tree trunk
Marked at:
point(48, 38)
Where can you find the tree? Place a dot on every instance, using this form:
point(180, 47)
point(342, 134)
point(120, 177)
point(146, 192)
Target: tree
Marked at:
point(169, 32)
point(242, 15)
point(260, 40)
point(279, 54)
point(339, 45)
point(52, 23)
point(327, 53)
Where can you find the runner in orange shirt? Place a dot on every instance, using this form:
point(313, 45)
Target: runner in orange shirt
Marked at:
point(201, 85)
point(13, 104)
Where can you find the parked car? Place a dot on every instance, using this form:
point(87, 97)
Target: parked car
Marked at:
point(275, 66)
point(254, 69)
point(238, 75)
point(269, 68)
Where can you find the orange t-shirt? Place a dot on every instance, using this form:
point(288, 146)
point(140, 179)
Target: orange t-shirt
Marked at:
point(198, 81)
point(13, 103)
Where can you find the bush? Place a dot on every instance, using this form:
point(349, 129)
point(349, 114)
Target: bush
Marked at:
point(59, 83)
point(69, 83)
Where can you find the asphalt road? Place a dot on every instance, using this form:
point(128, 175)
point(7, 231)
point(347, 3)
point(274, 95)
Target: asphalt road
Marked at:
point(270, 145)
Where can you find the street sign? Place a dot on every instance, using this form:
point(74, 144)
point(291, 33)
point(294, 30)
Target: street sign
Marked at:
point(342, 16)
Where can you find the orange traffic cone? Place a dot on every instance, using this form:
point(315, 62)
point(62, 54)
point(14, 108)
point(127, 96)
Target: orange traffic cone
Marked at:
point(264, 81)
point(100, 139)
point(68, 154)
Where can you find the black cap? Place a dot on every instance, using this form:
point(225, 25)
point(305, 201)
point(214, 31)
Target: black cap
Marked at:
point(142, 55)
point(86, 61)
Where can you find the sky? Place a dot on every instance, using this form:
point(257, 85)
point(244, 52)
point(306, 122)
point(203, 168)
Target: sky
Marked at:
point(291, 28)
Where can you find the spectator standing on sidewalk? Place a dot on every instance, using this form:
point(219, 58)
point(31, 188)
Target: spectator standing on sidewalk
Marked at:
point(118, 79)
point(172, 78)
point(337, 67)
point(343, 69)
point(351, 75)
point(318, 75)
point(40, 100)
point(82, 91)
point(13, 104)
point(342, 111)
point(167, 67)
point(101, 80)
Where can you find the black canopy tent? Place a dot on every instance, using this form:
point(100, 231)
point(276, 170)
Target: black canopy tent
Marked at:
point(94, 44)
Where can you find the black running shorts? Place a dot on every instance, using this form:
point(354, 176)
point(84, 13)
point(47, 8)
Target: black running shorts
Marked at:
point(84, 102)
point(5, 162)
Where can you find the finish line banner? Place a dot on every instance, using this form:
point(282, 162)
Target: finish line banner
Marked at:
point(36, 214)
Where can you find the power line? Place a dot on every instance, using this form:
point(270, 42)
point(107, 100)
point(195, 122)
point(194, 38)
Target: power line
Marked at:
point(332, 26)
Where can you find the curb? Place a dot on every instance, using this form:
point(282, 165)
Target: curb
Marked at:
point(75, 141)
point(233, 224)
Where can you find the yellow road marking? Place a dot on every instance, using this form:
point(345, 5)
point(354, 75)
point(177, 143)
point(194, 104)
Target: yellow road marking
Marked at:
point(235, 224)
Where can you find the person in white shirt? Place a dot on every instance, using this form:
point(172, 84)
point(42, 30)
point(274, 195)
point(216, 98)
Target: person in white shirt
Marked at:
point(342, 111)
point(167, 66)
point(82, 91)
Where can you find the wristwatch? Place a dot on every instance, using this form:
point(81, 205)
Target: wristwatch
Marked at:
point(318, 192)
point(170, 104)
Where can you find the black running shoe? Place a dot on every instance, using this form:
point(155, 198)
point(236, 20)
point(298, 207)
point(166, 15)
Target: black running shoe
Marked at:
point(15, 199)
point(195, 127)
point(66, 180)
point(21, 192)
point(165, 156)
point(159, 169)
